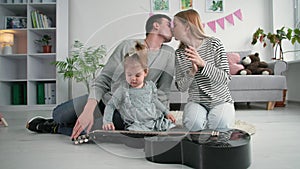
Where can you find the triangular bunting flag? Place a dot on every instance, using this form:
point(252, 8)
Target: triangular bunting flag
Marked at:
point(238, 14)
point(203, 24)
point(212, 25)
point(229, 18)
point(221, 23)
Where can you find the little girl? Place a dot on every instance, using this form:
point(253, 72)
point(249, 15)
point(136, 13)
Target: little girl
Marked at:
point(136, 99)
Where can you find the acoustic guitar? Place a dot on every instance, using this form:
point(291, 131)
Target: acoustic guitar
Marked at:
point(206, 149)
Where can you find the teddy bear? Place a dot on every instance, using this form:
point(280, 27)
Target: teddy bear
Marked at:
point(234, 62)
point(254, 66)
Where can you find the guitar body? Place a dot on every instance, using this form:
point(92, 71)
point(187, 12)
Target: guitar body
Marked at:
point(235, 154)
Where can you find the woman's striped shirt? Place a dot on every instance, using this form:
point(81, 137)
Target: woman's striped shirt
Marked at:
point(209, 86)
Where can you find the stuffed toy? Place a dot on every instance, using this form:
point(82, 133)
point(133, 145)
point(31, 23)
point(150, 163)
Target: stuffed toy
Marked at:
point(234, 62)
point(254, 66)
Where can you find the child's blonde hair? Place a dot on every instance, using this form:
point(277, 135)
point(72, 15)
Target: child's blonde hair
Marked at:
point(137, 54)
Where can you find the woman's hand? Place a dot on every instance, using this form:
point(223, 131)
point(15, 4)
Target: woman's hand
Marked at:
point(108, 126)
point(194, 69)
point(194, 57)
point(85, 120)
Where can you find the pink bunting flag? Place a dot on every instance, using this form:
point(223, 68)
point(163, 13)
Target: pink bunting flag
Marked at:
point(229, 18)
point(238, 14)
point(221, 22)
point(212, 25)
point(150, 14)
point(203, 24)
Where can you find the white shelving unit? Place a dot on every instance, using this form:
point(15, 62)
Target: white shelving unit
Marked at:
point(27, 64)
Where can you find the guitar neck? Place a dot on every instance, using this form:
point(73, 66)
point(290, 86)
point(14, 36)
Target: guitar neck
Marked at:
point(102, 134)
point(160, 133)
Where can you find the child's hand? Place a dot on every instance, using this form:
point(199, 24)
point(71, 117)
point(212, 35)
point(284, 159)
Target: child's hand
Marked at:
point(171, 117)
point(108, 126)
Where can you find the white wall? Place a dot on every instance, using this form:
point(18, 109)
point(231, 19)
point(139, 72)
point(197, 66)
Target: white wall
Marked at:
point(103, 22)
point(107, 23)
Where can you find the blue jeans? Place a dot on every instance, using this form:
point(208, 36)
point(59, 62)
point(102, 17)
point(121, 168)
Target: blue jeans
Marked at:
point(66, 115)
point(198, 117)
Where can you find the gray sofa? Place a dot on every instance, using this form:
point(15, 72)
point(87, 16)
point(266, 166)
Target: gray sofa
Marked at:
point(260, 88)
point(249, 88)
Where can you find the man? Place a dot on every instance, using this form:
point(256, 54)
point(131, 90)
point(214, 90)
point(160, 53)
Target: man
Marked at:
point(161, 63)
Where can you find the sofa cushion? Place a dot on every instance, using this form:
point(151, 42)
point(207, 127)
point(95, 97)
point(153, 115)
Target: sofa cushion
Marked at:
point(257, 82)
point(242, 53)
point(234, 60)
point(257, 88)
point(234, 63)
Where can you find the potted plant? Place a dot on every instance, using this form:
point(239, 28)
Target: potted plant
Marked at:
point(45, 43)
point(276, 38)
point(83, 63)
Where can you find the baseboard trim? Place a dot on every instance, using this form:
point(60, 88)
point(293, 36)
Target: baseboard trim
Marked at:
point(293, 101)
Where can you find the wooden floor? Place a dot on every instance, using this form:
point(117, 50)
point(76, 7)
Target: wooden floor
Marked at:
point(275, 145)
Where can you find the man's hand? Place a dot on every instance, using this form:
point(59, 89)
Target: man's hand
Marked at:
point(85, 120)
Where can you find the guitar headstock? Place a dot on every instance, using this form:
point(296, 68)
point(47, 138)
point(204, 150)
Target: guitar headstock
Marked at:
point(81, 139)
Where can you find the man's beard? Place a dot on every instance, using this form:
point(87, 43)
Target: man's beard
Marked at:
point(167, 39)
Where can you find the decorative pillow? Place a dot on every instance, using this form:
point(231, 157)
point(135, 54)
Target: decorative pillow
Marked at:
point(234, 63)
point(242, 53)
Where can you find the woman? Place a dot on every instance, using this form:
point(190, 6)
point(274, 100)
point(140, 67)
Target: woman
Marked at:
point(202, 69)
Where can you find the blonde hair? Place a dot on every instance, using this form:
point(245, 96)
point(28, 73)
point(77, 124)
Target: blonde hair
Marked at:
point(192, 18)
point(137, 54)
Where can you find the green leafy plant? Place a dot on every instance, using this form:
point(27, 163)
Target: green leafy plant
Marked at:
point(276, 38)
point(217, 5)
point(160, 5)
point(44, 41)
point(83, 63)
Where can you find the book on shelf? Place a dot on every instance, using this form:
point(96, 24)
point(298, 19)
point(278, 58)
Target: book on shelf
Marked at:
point(48, 1)
point(53, 93)
point(16, 94)
point(46, 93)
point(50, 93)
point(19, 93)
point(40, 93)
point(40, 20)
